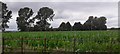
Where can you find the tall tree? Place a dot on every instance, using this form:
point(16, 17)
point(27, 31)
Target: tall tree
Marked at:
point(44, 14)
point(23, 19)
point(5, 16)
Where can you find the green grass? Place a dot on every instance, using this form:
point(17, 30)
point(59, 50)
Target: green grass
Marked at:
point(85, 41)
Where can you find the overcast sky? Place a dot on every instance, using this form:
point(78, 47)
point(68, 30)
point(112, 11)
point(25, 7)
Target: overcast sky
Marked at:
point(69, 11)
point(60, 0)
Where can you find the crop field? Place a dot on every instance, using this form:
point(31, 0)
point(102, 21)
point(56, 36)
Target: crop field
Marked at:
point(71, 41)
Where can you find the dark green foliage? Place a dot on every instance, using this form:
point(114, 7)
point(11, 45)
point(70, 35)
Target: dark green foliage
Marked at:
point(44, 14)
point(5, 16)
point(68, 26)
point(65, 26)
point(23, 21)
point(77, 26)
point(26, 24)
point(62, 26)
point(101, 23)
point(95, 23)
point(88, 25)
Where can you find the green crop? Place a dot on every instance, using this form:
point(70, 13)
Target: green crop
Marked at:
point(78, 41)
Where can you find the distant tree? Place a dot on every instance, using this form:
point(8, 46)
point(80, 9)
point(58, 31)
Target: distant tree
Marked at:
point(101, 23)
point(68, 26)
point(77, 26)
point(62, 26)
point(23, 19)
point(44, 14)
point(88, 25)
point(5, 16)
point(94, 23)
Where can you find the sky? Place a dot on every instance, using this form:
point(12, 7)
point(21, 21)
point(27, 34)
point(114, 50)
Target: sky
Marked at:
point(69, 10)
point(60, 0)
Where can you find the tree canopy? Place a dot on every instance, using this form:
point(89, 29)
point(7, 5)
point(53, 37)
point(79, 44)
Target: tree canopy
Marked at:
point(5, 16)
point(94, 23)
point(44, 14)
point(62, 26)
point(23, 19)
point(77, 26)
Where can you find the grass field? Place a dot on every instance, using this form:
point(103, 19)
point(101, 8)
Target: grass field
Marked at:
point(78, 41)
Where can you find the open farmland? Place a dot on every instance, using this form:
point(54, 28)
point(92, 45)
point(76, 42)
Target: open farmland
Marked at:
point(71, 41)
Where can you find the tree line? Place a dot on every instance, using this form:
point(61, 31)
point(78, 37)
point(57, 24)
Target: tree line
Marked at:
point(25, 21)
point(93, 23)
